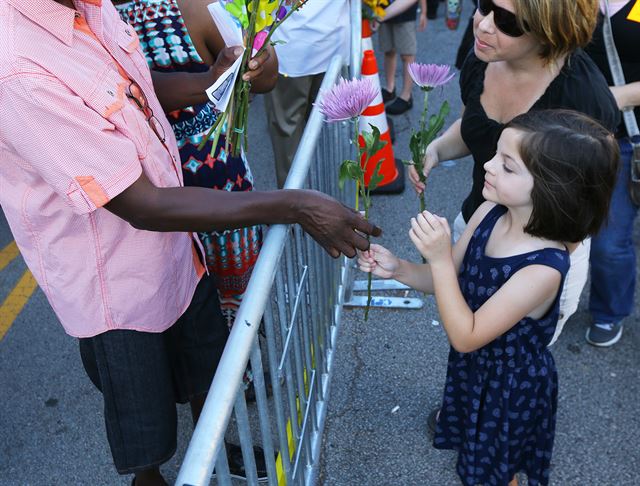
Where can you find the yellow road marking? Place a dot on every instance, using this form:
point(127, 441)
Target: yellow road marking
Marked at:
point(8, 254)
point(15, 301)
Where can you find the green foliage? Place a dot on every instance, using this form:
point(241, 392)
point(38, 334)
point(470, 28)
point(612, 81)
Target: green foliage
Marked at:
point(372, 142)
point(349, 170)
point(376, 177)
point(421, 139)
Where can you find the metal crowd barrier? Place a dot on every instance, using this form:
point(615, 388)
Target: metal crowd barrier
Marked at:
point(297, 291)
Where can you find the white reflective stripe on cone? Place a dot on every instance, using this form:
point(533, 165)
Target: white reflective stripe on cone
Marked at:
point(379, 121)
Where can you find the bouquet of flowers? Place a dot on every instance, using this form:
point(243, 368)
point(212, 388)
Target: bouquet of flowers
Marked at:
point(258, 19)
point(373, 9)
point(346, 101)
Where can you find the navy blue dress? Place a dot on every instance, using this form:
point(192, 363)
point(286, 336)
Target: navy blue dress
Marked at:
point(499, 405)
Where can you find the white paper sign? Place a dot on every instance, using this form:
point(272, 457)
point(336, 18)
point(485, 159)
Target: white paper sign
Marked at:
point(228, 27)
point(220, 92)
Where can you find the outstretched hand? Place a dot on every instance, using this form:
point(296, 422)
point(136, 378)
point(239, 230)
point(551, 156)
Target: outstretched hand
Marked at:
point(337, 228)
point(431, 236)
point(379, 261)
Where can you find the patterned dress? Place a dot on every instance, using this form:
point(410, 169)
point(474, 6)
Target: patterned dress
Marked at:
point(499, 405)
point(231, 255)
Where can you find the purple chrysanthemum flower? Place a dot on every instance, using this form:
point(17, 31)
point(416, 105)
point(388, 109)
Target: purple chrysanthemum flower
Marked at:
point(347, 99)
point(429, 76)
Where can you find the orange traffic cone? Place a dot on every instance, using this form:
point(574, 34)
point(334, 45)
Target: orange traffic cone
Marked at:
point(367, 43)
point(391, 169)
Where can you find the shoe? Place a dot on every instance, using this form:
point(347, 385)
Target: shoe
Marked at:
point(604, 334)
point(388, 95)
point(399, 106)
point(432, 421)
point(236, 463)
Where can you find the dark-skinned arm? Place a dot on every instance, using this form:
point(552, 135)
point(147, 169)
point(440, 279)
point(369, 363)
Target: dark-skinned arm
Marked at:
point(327, 221)
point(181, 89)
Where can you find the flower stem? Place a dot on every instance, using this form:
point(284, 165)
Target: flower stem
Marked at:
point(370, 275)
point(423, 118)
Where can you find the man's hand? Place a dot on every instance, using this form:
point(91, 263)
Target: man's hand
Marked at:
point(431, 236)
point(334, 226)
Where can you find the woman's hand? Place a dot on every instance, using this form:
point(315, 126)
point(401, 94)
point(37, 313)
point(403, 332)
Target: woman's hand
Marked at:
point(257, 64)
point(431, 236)
point(379, 261)
point(431, 159)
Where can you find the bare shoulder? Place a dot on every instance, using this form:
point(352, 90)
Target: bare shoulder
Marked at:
point(202, 30)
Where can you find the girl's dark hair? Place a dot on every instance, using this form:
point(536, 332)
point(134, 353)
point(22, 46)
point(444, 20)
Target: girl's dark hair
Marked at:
point(574, 163)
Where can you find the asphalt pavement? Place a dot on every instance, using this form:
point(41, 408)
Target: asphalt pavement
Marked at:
point(388, 375)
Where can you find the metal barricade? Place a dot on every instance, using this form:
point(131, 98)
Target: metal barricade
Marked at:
point(297, 291)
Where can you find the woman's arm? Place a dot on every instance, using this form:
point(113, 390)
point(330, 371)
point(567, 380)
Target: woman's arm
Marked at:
point(627, 95)
point(208, 42)
point(448, 146)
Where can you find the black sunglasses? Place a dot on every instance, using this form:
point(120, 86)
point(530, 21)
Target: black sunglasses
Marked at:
point(505, 21)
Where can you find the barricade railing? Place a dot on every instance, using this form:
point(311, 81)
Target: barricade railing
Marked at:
point(296, 291)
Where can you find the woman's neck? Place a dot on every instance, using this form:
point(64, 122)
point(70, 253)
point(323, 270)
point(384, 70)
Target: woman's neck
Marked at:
point(533, 66)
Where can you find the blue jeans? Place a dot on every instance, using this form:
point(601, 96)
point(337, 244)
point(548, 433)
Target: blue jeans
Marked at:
point(613, 256)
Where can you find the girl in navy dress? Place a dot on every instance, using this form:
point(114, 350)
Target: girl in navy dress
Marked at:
point(497, 290)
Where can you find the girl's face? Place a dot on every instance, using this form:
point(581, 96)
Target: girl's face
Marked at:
point(491, 44)
point(508, 181)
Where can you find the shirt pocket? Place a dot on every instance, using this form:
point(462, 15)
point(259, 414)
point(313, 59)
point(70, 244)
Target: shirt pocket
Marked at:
point(108, 97)
point(128, 41)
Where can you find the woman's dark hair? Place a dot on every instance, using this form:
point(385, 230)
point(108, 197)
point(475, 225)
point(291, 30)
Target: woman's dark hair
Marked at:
point(574, 163)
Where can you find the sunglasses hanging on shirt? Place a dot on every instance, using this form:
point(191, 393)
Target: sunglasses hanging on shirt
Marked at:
point(505, 21)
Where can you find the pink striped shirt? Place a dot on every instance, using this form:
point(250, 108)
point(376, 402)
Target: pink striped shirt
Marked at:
point(70, 141)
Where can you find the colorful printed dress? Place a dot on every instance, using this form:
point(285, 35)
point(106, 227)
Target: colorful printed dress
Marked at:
point(231, 255)
point(499, 405)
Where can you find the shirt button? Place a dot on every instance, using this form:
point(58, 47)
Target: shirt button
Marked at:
point(110, 93)
point(128, 32)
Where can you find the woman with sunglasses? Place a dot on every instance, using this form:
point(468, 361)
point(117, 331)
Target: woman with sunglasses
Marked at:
point(526, 56)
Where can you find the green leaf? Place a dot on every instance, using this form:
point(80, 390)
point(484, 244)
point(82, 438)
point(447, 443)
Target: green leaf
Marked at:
point(349, 169)
point(376, 177)
point(372, 141)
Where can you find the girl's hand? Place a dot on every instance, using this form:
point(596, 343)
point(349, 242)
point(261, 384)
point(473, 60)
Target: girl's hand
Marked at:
point(431, 159)
point(432, 237)
point(379, 261)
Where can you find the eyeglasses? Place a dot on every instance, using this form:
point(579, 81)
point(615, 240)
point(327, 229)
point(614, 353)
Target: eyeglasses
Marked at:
point(135, 93)
point(505, 21)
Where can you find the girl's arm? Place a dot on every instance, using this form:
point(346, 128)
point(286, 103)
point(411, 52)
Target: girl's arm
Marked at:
point(448, 146)
point(530, 291)
point(382, 263)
